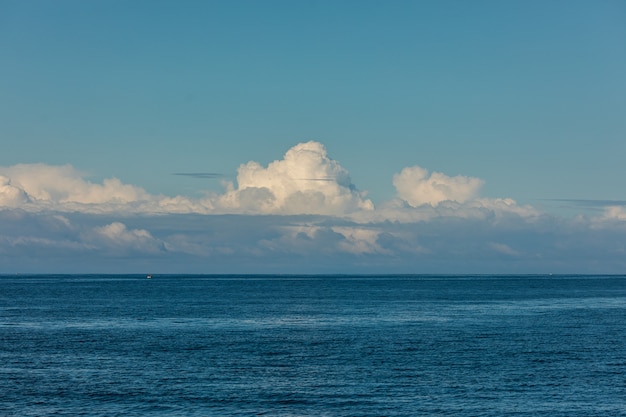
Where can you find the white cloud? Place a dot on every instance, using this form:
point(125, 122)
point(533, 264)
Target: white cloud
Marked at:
point(116, 235)
point(416, 187)
point(65, 185)
point(615, 213)
point(360, 241)
point(305, 244)
point(488, 209)
point(37, 187)
point(299, 210)
point(308, 238)
point(10, 195)
point(305, 181)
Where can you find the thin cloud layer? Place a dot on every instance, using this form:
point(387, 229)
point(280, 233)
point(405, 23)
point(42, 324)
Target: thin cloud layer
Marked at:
point(75, 242)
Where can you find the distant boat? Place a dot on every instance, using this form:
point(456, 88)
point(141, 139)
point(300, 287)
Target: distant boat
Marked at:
point(149, 276)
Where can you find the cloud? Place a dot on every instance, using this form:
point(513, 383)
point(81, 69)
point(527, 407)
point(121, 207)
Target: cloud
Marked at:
point(298, 214)
point(504, 249)
point(117, 236)
point(193, 243)
point(329, 238)
point(488, 209)
point(360, 241)
point(37, 187)
point(416, 187)
point(118, 233)
point(10, 195)
point(63, 187)
point(305, 181)
point(615, 213)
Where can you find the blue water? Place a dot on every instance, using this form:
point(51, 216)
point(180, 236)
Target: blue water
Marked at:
point(312, 346)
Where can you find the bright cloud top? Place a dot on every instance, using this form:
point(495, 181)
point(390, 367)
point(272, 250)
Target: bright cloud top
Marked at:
point(11, 195)
point(416, 187)
point(56, 186)
point(306, 181)
point(63, 188)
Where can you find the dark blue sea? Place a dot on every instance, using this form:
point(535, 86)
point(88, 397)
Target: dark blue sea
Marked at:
point(312, 345)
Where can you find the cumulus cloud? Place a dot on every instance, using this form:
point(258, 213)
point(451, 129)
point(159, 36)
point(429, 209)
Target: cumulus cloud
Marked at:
point(305, 181)
point(64, 184)
point(10, 195)
point(37, 187)
point(615, 213)
point(301, 211)
point(41, 186)
point(116, 235)
point(416, 187)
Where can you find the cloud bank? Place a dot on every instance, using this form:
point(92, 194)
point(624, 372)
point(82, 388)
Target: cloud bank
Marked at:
point(298, 214)
point(305, 181)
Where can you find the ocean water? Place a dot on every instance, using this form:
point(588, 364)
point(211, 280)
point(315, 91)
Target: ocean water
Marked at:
point(312, 346)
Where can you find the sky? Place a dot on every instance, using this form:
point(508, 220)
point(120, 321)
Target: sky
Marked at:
point(313, 136)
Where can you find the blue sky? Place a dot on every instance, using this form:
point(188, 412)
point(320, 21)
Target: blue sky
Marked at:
point(508, 101)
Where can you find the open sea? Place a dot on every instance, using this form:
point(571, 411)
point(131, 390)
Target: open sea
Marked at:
point(124, 345)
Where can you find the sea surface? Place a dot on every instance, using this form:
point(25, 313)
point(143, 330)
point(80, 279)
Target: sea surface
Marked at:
point(96, 345)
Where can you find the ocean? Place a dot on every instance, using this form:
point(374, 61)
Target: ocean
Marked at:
point(124, 345)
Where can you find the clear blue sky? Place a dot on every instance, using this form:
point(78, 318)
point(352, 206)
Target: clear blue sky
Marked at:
point(530, 96)
point(527, 97)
